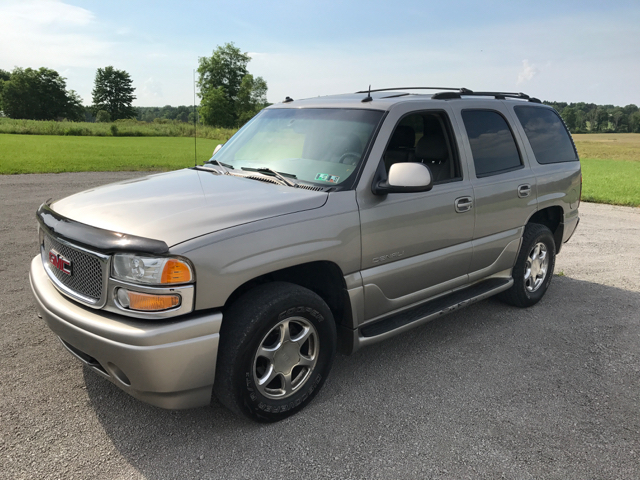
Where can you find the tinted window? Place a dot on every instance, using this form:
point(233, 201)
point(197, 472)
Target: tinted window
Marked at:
point(492, 145)
point(424, 137)
point(547, 135)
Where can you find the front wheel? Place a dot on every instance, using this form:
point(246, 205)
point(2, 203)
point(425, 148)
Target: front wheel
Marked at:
point(534, 266)
point(277, 345)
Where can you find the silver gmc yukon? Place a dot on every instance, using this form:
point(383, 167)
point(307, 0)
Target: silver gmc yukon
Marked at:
point(323, 225)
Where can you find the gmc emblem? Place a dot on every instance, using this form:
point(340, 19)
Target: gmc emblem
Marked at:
point(60, 262)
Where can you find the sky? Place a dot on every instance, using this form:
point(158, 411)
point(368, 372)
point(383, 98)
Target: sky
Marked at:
point(572, 51)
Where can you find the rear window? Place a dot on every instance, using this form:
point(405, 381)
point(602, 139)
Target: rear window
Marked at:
point(547, 135)
point(492, 145)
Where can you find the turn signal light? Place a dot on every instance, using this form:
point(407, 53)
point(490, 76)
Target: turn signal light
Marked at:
point(146, 302)
point(175, 271)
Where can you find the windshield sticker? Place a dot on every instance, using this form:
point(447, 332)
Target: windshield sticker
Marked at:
point(325, 177)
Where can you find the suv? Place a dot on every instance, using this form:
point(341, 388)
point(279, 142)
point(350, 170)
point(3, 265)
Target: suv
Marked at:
point(323, 225)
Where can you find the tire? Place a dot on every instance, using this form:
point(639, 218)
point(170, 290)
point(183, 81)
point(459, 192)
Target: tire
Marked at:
point(533, 269)
point(262, 372)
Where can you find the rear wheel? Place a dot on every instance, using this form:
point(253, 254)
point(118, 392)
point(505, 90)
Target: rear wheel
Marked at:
point(534, 266)
point(277, 345)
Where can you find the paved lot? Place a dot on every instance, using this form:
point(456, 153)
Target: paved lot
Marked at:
point(488, 392)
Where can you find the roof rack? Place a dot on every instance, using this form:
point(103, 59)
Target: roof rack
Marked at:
point(496, 95)
point(414, 88)
point(455, 92)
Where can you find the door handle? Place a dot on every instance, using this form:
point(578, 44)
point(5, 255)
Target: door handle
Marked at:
point(524, 190)
point(463, 204)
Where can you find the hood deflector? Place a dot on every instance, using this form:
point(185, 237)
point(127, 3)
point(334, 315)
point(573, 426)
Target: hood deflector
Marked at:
point(93, 237)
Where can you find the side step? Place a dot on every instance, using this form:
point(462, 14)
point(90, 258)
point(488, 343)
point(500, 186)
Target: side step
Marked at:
point(425, 312)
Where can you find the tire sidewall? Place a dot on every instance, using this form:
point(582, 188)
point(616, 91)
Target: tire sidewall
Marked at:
point(542, 235)
point(248, 397)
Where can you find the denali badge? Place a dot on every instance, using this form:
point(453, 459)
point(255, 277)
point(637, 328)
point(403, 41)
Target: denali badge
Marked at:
point(60, 262)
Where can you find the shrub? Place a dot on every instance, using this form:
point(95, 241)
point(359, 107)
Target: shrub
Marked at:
point(103, 116)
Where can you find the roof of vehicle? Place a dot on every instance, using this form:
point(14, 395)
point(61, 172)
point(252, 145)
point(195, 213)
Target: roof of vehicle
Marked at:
point(384, 99)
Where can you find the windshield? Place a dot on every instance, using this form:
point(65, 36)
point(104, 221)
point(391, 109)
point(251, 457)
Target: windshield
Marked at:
point(321, 146)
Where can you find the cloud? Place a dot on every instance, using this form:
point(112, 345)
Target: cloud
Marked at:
point(32, 31)
point(527, 73)
point(152, 88)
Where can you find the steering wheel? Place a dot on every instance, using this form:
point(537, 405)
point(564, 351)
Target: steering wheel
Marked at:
point(346, 155)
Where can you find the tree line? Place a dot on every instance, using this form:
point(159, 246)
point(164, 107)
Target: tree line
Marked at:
point(591, 118)
point(229, 94)
point(229, 97)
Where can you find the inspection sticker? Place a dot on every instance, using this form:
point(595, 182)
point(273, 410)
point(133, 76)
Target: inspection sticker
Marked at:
point(325, 177)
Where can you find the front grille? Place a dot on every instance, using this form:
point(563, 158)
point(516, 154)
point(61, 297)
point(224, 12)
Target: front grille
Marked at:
point(87, 276)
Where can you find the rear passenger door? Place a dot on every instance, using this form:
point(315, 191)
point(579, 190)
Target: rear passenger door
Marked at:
point(504, 187)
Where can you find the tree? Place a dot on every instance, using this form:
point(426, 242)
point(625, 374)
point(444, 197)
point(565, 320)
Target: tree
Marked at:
point(113, 92)
point(4, 77)
point(252, 98)
point(634, 122)
point(569, 116)
point(229, 94)
point(217, 109)
point(102, 116)
point(39, 95)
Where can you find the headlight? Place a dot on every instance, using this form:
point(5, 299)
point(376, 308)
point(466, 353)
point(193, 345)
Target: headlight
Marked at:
point(151, 270)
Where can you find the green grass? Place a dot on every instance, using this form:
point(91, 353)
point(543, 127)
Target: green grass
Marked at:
point(611, 167)
point(609, 146)
point(616, 182)
point(120, 128)
point(55, 154)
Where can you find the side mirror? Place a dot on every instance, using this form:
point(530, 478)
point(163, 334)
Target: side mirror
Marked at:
point(215, 150)
point(405, 178)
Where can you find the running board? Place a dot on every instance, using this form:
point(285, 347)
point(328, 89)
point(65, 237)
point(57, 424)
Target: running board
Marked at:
point(428, 311)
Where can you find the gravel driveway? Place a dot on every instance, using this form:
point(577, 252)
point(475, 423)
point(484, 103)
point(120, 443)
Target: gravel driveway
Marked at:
point(487, 392)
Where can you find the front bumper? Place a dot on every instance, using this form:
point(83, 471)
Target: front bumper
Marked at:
point(170, 364)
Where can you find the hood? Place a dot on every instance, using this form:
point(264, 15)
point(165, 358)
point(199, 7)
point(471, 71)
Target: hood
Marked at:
point(180, 205)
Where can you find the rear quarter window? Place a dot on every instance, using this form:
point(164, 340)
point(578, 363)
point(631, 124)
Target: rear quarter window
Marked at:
point(547, 134)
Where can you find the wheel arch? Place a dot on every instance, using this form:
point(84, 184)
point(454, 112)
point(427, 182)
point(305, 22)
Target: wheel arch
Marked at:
point(324, 278)
point(551, 217)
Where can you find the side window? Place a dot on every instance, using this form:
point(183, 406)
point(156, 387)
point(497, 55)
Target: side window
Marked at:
point(425, 137)
point(547, 135)
point(492, 144)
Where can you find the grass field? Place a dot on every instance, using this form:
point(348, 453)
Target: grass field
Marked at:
point(55, 154)
point(120, 128)
point(610, 167)
point(609, 146)
point(610, 162)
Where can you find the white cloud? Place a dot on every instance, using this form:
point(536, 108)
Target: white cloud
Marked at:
point(47, 32)
point(527, 73)
point(152, 89)
point(46, 12)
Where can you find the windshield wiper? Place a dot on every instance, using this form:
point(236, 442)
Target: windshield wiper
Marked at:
point(224, 166)
point(280, 175)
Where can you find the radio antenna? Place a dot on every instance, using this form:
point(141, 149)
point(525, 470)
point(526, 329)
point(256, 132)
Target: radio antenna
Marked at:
point(195, 123)
point(368, 98)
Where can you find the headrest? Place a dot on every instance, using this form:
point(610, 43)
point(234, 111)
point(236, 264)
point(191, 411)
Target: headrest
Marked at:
point(403, 137)
point(432, 147)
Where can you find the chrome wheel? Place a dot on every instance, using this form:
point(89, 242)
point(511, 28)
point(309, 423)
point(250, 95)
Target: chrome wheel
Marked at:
point(536, 268)
point(285, 358)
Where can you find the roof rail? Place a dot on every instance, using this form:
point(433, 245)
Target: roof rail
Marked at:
point(497, 95)
point(455, 92)
point(414, 88)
